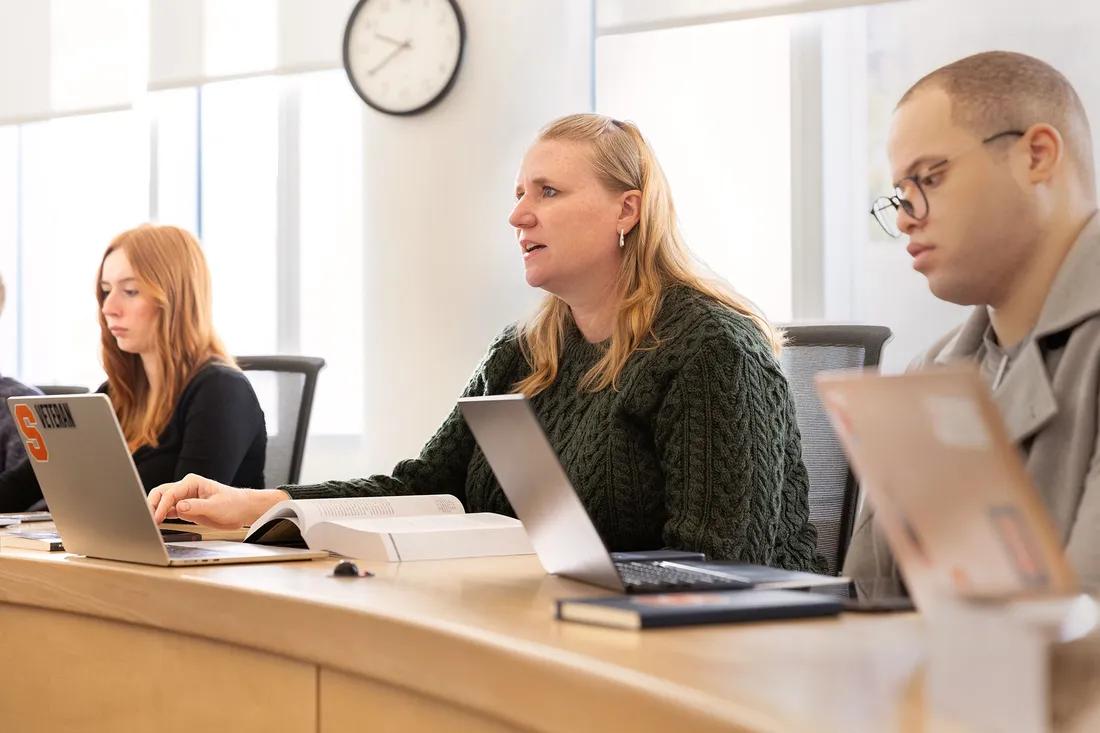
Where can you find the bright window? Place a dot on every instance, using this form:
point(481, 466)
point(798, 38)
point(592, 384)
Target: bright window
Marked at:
point(216, 160)
point(84, 180)
point(240, 163)
point(331, 248)
point(714, 101)
point(175, 118)
point(9, 255)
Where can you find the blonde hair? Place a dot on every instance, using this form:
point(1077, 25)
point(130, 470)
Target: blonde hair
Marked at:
point(171, 269)
point(654, 258)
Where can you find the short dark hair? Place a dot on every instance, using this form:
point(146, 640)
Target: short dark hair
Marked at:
point(997, 91)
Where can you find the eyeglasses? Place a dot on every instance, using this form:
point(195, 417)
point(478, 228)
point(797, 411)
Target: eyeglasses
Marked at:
point(910, 195)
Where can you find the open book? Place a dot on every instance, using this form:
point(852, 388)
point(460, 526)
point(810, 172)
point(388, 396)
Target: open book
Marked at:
point(390, 528)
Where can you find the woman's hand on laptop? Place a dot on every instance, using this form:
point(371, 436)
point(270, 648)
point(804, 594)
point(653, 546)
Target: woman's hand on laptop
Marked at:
point(211, 504)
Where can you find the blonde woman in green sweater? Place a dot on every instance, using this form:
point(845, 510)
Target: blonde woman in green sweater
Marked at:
point(658, 387)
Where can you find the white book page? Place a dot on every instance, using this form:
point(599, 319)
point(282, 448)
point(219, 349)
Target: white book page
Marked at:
point(422, 537)
point(307, 512)
point(317, 510)
point(424, 523)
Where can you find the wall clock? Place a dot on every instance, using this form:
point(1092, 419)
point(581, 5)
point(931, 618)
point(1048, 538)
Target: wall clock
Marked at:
point(402, 56)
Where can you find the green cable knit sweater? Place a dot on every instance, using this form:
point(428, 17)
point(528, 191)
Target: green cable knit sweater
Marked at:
point(697, 449)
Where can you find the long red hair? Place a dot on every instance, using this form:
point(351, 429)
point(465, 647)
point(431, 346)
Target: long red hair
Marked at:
point(171, 269)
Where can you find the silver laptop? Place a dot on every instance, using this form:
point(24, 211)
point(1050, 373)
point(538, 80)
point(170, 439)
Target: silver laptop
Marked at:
point(565, 540)
point(951, 492)
point(94, 492)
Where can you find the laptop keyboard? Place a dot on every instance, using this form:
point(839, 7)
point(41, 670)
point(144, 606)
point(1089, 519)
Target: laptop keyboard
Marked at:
point(655, 577)
point(186, 552)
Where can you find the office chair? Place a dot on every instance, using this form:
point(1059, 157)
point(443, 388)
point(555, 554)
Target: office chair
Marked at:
point(296, 380)
point(834, 491)
point(59, 389)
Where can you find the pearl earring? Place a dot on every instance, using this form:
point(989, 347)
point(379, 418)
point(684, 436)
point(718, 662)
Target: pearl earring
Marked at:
point(622, 239)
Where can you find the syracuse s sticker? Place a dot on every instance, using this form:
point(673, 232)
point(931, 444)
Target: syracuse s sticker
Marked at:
point(28, 426)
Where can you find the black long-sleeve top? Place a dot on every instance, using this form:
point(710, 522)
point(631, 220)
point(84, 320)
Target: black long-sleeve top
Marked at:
point(217, 430)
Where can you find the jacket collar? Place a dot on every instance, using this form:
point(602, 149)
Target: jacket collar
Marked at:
point(1026, 396)
point(1074, 297)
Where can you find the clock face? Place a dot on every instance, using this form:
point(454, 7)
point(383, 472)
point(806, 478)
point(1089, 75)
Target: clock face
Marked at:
point(402, 56)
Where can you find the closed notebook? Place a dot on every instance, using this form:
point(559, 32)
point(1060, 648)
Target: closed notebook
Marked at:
point(44, 541)
point(687, 609)
point(50, 541)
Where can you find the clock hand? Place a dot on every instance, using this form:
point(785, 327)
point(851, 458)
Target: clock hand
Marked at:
point(389, 57)
point(390, 40)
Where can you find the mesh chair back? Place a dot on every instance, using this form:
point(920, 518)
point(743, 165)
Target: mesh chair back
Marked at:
point(834, 493)
point(285, 386)
point(56, 389)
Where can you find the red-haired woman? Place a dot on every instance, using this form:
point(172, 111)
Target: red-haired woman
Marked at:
point(183, 405)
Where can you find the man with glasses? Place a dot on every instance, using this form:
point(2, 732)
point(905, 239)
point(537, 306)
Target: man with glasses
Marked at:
point(995, 189)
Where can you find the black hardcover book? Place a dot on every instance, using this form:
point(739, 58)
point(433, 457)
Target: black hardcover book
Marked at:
point(685, 609)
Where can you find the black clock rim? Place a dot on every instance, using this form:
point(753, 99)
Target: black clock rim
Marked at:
point(431, 102)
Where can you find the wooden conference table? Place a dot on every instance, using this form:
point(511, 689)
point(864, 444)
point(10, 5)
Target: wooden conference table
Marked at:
point(460, 645)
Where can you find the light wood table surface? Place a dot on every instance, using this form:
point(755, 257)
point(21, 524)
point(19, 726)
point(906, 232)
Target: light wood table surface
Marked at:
point(460, 645)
